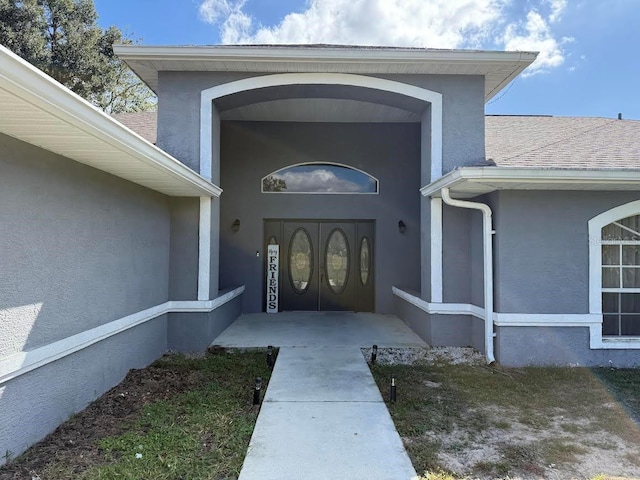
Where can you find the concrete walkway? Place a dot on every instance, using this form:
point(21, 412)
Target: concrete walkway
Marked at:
point(323, 416)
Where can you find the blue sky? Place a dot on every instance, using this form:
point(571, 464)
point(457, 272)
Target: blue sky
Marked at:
point(588, 64)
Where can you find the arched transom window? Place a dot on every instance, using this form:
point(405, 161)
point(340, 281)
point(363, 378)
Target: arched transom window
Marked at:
point(621, 277)
point(319, 178)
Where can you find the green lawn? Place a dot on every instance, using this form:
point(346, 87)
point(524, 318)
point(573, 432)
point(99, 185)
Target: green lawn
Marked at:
point(500, 422)
point(199, 427)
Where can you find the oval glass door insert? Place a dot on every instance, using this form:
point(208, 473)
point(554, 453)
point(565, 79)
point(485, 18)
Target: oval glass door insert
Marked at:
point(300, 261)
point(365, 261)
point(337, 261)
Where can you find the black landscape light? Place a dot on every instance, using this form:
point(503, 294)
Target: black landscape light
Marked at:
point(392, 390)
point(270, 356)
point(256, 391)
point(402, 227)
point(235, 226)
point(374, 354)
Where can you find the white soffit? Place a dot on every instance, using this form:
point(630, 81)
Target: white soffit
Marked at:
point(38, 110)
point(320, 110)
point(498, 68)
point(468, 182)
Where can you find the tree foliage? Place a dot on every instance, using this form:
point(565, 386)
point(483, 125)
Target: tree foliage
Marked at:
point(274, 184)
point(62, 38)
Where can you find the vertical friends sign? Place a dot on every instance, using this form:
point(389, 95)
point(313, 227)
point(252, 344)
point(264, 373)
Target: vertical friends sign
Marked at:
point(273, 257)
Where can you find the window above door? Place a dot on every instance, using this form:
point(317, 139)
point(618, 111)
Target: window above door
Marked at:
point(320, 178)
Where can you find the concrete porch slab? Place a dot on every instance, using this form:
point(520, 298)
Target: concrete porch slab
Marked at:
point(318, 329)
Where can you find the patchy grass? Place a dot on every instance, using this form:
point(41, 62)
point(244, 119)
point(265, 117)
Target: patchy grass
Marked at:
point(198, 427)
point(528, 422)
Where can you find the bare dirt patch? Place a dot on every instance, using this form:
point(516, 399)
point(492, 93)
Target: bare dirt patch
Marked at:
point(462, 419)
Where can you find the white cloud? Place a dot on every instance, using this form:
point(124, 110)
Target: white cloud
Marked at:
point(320, 180)
point(557, 9)
point(487, 24)
point(534, 34)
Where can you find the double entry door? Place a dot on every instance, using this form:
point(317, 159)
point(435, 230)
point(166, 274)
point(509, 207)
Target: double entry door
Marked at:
point(324, 264)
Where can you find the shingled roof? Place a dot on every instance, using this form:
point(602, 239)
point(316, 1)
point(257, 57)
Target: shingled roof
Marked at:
point(524, 141)
point(143, 123)
point(562, 142)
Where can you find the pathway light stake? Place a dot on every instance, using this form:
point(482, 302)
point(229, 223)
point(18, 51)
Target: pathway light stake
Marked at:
point(270, 356)
point(392, 390)
point(256, 391)
point(374, 354)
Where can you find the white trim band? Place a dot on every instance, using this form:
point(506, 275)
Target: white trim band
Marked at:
point(585, 320)
point(434, 308)
point(22, 362)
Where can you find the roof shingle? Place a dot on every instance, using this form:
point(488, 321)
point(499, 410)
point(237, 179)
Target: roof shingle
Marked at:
point(562, 142)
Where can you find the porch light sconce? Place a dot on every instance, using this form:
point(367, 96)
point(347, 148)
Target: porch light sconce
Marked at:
point(402, 227)
point(235, 226)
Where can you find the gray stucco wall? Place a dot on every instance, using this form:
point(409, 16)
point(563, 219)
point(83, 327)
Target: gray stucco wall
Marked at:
point(476, 245)
point(463, 113)
point(194, 331)
point(389, 152)
point(520, 346)
point(456, 255)
point(179, 111)
point(441, 330)
point(185, 218)
point(542, 248)
point(80, 247)
point(34, 404)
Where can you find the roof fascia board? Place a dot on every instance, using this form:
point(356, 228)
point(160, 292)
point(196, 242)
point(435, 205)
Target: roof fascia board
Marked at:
point(328, 54)
point(28, 83)
point(531, 176)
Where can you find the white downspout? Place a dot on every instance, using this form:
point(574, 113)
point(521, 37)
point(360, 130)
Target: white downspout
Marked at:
point(487, 240)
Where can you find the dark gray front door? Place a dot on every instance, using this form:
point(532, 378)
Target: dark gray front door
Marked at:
point(324, 265)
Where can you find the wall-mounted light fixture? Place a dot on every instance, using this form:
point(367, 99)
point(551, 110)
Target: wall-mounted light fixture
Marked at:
point(235, 226)
point(402, 227)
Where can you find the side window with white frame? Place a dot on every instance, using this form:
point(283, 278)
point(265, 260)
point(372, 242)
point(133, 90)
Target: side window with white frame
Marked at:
point(620, 284)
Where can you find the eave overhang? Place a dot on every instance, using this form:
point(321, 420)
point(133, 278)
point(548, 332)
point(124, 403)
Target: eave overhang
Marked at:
point(498, 68)
point(469, 182)
point(38, 110)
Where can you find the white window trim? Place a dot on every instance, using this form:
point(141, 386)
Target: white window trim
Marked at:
point(595, 274)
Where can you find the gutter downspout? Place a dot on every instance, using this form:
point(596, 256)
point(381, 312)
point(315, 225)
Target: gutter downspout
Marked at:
point(487, 240)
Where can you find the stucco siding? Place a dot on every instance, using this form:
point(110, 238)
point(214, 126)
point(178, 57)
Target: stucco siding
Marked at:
point(521, 346)
point(179, 111)
point(463, 113)
point(193, 332)
point(185, 218)
point(542, 249)
point(456, 255)
point(34, 404)
point(389, 152)
point(441, 330)
point(80, 247)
